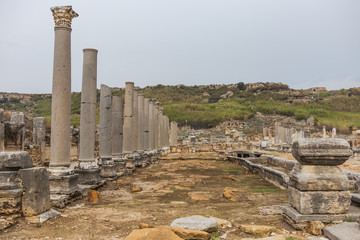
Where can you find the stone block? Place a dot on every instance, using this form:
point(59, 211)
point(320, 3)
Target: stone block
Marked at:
point(321, 151)
point(66, 184)
point(196, 223)
point(318, 178)
point(10, 201)
point(320, 202)
point(108, 171)
point(343, 231)
point(36, 196)
point(88, 176)
point(8, 180)
point(13, 161)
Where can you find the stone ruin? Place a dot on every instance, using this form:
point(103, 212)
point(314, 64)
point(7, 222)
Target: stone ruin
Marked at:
point(318, 188)
point(24, 189)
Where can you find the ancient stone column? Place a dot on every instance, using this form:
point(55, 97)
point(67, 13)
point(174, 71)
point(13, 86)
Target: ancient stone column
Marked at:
point(18, 120)
point(107, 169)
point(117, 126)
point(128, 115)
point(61, 88)
point(62, 179)
point(167, 132)
point(173, 133)
point(2, 131)
point(141, 127)
point(87, 168)
point(117, 135)
point(316, 185)
point(39, 135)
point(146, 124)
point(324, 132)
point(88, 108)
point(151, 124)
point(135, 122)
point(156, 126)
point(161, 128)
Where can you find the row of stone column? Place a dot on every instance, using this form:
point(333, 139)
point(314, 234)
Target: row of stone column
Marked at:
point(137, 125)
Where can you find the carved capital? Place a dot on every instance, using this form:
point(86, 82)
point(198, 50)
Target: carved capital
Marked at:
point(63, 15)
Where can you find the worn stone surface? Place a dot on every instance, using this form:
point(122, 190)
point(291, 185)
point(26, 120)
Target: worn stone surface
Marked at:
point(319, 202)
point(318, 178)
point(196, 223)
point(63, 184)
point(257, 229)
point(38, 130)
point(15, 160)
point(325, 151)
point(88, 176)
point(36, 196)
point(10, 201)
point(128, 115)
point(153, 234)
point(315, 227)
point(189, 234)
point(343, 231)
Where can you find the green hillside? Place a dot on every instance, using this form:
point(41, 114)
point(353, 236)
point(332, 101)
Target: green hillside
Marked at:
point(203, 106)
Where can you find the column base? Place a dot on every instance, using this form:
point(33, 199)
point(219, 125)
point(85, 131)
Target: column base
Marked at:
point(120, 166)
point(88, 176)
point(299, 221)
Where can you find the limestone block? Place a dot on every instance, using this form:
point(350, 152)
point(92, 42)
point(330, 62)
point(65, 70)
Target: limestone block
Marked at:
point(15, 160)
point(36, 197)
point(319, 151)
point(63, 184)
point(196, 223)
point(8, 180)
point(10, 201)
point(320, 202)
point(318, 178)
point(88, 176)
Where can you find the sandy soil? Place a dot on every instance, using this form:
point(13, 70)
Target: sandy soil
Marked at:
point(169, 190)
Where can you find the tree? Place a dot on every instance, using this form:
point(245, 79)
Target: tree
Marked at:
point(241, 86)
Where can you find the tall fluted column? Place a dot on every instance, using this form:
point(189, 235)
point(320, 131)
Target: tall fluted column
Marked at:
point(107, 168)
point(135, 122)
point(128, 114)
point(146, 124)
point(167, 132)
point(160, 128)
point(141, 127)
point(61, 88)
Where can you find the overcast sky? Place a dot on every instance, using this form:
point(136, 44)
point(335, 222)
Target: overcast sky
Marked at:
point(303, 43)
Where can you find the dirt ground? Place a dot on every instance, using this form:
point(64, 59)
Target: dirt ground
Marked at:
point(169, 191)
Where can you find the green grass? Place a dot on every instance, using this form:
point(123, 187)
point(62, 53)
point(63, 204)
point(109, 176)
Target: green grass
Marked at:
point(203, 107)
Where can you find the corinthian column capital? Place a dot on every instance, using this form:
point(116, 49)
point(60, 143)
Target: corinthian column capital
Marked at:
point(63, 16)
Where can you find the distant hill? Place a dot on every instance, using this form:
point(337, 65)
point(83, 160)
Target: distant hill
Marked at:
point(207, 105)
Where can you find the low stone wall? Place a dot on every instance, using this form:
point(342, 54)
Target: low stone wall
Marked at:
point(276, 177)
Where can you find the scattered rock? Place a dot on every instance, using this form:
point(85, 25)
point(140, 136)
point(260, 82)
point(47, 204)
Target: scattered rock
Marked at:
point(191, 234)
point(199, 196)
point(229, 193)
point(136, 189)
point(196, 223)
point(178, 203)
point(231, 178)
point(144, 225)
point(153, 234)
point(257, 229)
point(93, 196)
point(315, 228)
point(343, 231)
point(222, 223)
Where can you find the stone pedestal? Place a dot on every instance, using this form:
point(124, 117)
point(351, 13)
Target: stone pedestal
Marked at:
point(316, 185)
point(39, 136)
